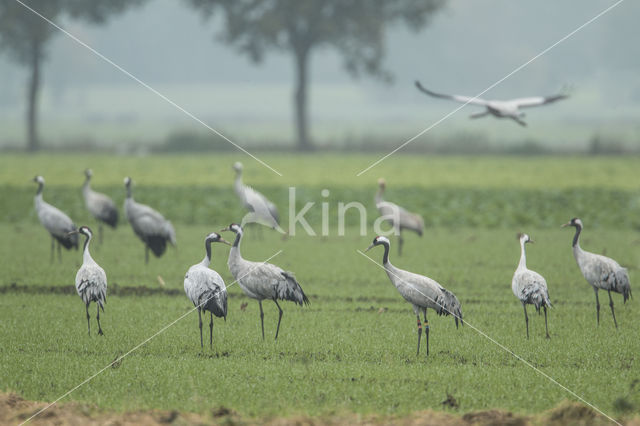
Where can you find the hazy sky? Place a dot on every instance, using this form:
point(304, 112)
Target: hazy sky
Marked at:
point(467, 47)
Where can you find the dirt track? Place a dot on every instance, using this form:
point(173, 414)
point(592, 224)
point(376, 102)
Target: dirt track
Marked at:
point(14, 410)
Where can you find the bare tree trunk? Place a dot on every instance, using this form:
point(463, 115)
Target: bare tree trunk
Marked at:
point(300, 99)
point(33, 144)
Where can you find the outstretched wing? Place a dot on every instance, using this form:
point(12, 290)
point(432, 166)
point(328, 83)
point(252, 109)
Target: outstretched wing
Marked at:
point(457, 98)
point(537, 100)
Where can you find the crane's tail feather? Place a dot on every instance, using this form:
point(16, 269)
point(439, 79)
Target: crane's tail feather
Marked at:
point(215, 301)
point(449, 305)
point(292, 290)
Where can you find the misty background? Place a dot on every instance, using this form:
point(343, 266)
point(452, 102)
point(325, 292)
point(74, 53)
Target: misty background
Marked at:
point(466, 47)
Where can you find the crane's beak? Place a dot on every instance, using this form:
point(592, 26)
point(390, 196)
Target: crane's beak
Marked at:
point(370, 247)
point(565, 224)
point(531, 241)
point(223, 241)
point(73, 232)
point(224, 229)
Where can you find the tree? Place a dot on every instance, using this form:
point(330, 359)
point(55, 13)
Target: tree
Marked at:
point(355, 28)
point(25, 35)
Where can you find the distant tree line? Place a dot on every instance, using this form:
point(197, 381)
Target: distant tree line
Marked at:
point(356, 29)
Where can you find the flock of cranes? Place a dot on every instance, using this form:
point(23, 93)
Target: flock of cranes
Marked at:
point(206, 289)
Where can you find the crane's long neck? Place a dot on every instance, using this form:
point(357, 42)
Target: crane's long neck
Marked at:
point(234, 253)
point(576, 238)
point(238, 185)
point(523, 257)
point(86, 256)
point(38, 197)
point(129, 192)
point(378, 198)
point(385, 256)
point(207, 258)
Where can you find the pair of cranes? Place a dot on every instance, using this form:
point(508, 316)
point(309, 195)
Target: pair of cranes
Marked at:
point(601, 272)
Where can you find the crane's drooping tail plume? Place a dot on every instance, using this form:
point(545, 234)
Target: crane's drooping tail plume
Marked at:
point(449, 306)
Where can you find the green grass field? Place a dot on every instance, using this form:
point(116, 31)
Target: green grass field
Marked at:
point(353, 349)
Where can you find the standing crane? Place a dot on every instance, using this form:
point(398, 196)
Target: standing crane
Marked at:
point(399, 217)
point(149, 225)
point(261, 280)
point(600, 271)
point(529, 286)
point(91, 280)
point(205, 287)
point(261, 210)
point(99, 205)
point(422, 292)
point(55, 221)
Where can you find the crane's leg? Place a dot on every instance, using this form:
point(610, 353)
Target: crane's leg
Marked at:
point(546, 327)
point(426, 329)
point(261, 318)
point(597, 307)
point(59, 252)
point(612, 312)
point(526, 318)
point(400, 241)
point(100, 333)
point(211, 332)
point(100, 234)
point(200, 325)
point(88, 323)
point(146, 254)
point(279, 318)
point(419, 334)
point(53, 248)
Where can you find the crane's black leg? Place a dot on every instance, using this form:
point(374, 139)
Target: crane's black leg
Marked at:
point(100, 234)
point(612, 312)
point(200, 325)
point(279, 318)
point(88, 323)
point(526, 318)
point(546, 327)
point(211, 332)
point(400, 241)
point(426, 329)
point(419, 334)
point(59, 252)
point(146, 255)
point(100, 333)
point(261, 318)
point(53, 248)
point(597, 307)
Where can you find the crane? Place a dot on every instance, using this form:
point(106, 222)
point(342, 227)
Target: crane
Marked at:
point(499, 109)
point(261, 280)
point(56, 222)
point(603, 273)
point(529, 286)
point(99, 205)
point(149, 225)
point(260, 209)
point(399, 217)
point(91, 280)
point(422, 292)
point(205, 287)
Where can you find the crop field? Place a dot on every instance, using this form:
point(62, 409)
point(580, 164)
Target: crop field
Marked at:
point(352, 351)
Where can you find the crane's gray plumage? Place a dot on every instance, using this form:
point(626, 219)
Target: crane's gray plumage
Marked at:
point(149, 225)
point(422, 292)
point(205, 287)
point(603, 273)
point(397, 216)
point(500, 109)
point(261, 280)
point(529, 286)
point(99, 205)
point(91, 280)
point(261, 210)
point(55, 221)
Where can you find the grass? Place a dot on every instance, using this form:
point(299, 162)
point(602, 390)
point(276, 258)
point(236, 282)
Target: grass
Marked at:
point(353, 348)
